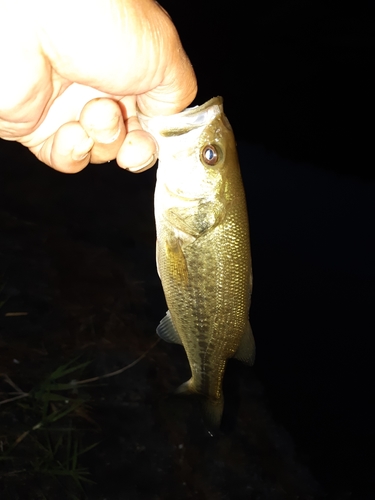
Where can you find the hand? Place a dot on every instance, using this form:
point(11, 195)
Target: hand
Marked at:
point(75, 71)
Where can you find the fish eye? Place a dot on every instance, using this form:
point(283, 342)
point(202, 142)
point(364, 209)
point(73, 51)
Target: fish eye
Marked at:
point(210, 155)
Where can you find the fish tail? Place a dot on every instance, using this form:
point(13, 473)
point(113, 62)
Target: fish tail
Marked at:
point(212, 413)
point(212, 409)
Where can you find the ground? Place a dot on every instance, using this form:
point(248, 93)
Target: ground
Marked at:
point(79, 279)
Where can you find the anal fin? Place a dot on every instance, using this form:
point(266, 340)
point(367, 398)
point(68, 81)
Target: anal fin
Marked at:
point(246, 350)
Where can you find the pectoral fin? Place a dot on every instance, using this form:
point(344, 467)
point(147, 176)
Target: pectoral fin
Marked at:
point(246, 350)
point(176, 261)
point(167, 331)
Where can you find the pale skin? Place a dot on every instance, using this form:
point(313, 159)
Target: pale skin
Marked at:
point(74, 72)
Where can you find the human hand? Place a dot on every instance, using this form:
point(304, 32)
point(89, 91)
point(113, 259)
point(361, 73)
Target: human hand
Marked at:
point(75, 71)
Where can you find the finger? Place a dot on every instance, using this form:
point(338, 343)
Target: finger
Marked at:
point(68, 150)
point(139, 151)
point(102, 120)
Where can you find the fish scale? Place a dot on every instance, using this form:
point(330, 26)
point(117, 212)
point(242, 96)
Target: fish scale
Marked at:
point(203, 247)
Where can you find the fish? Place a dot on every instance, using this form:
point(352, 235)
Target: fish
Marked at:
point(203, 247)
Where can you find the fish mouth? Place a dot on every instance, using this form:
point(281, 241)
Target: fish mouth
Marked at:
point(215, 101)
point(185, 121)
point(199, 115)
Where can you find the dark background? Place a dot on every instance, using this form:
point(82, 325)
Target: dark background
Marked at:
point(297, 80)
point(297, 77)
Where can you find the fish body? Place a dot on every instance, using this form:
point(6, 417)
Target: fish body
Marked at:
point(203, 247)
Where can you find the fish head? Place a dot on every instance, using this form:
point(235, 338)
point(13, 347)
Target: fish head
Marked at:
point(196, 147)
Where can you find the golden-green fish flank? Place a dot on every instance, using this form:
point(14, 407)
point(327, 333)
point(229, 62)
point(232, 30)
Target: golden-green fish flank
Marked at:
point(203, 247)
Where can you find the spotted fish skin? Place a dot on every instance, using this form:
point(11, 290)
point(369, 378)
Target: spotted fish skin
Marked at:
point(203, 247)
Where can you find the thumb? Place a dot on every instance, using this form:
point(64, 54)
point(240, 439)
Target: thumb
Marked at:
point(178, 88)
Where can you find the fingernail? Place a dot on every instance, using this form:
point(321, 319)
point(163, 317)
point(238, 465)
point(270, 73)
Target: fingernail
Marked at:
point(145, 166)
point(82, 149)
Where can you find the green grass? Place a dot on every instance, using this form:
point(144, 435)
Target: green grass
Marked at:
point(44, 437)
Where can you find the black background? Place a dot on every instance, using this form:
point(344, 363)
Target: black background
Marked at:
point(298, 81)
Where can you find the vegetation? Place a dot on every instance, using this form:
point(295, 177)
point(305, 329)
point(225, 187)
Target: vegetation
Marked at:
point(44, 434)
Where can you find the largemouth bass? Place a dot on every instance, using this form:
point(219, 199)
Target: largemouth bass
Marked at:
point(203, 247)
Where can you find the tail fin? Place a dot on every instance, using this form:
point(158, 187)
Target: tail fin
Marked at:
point(212, 413)
point(212, 409)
